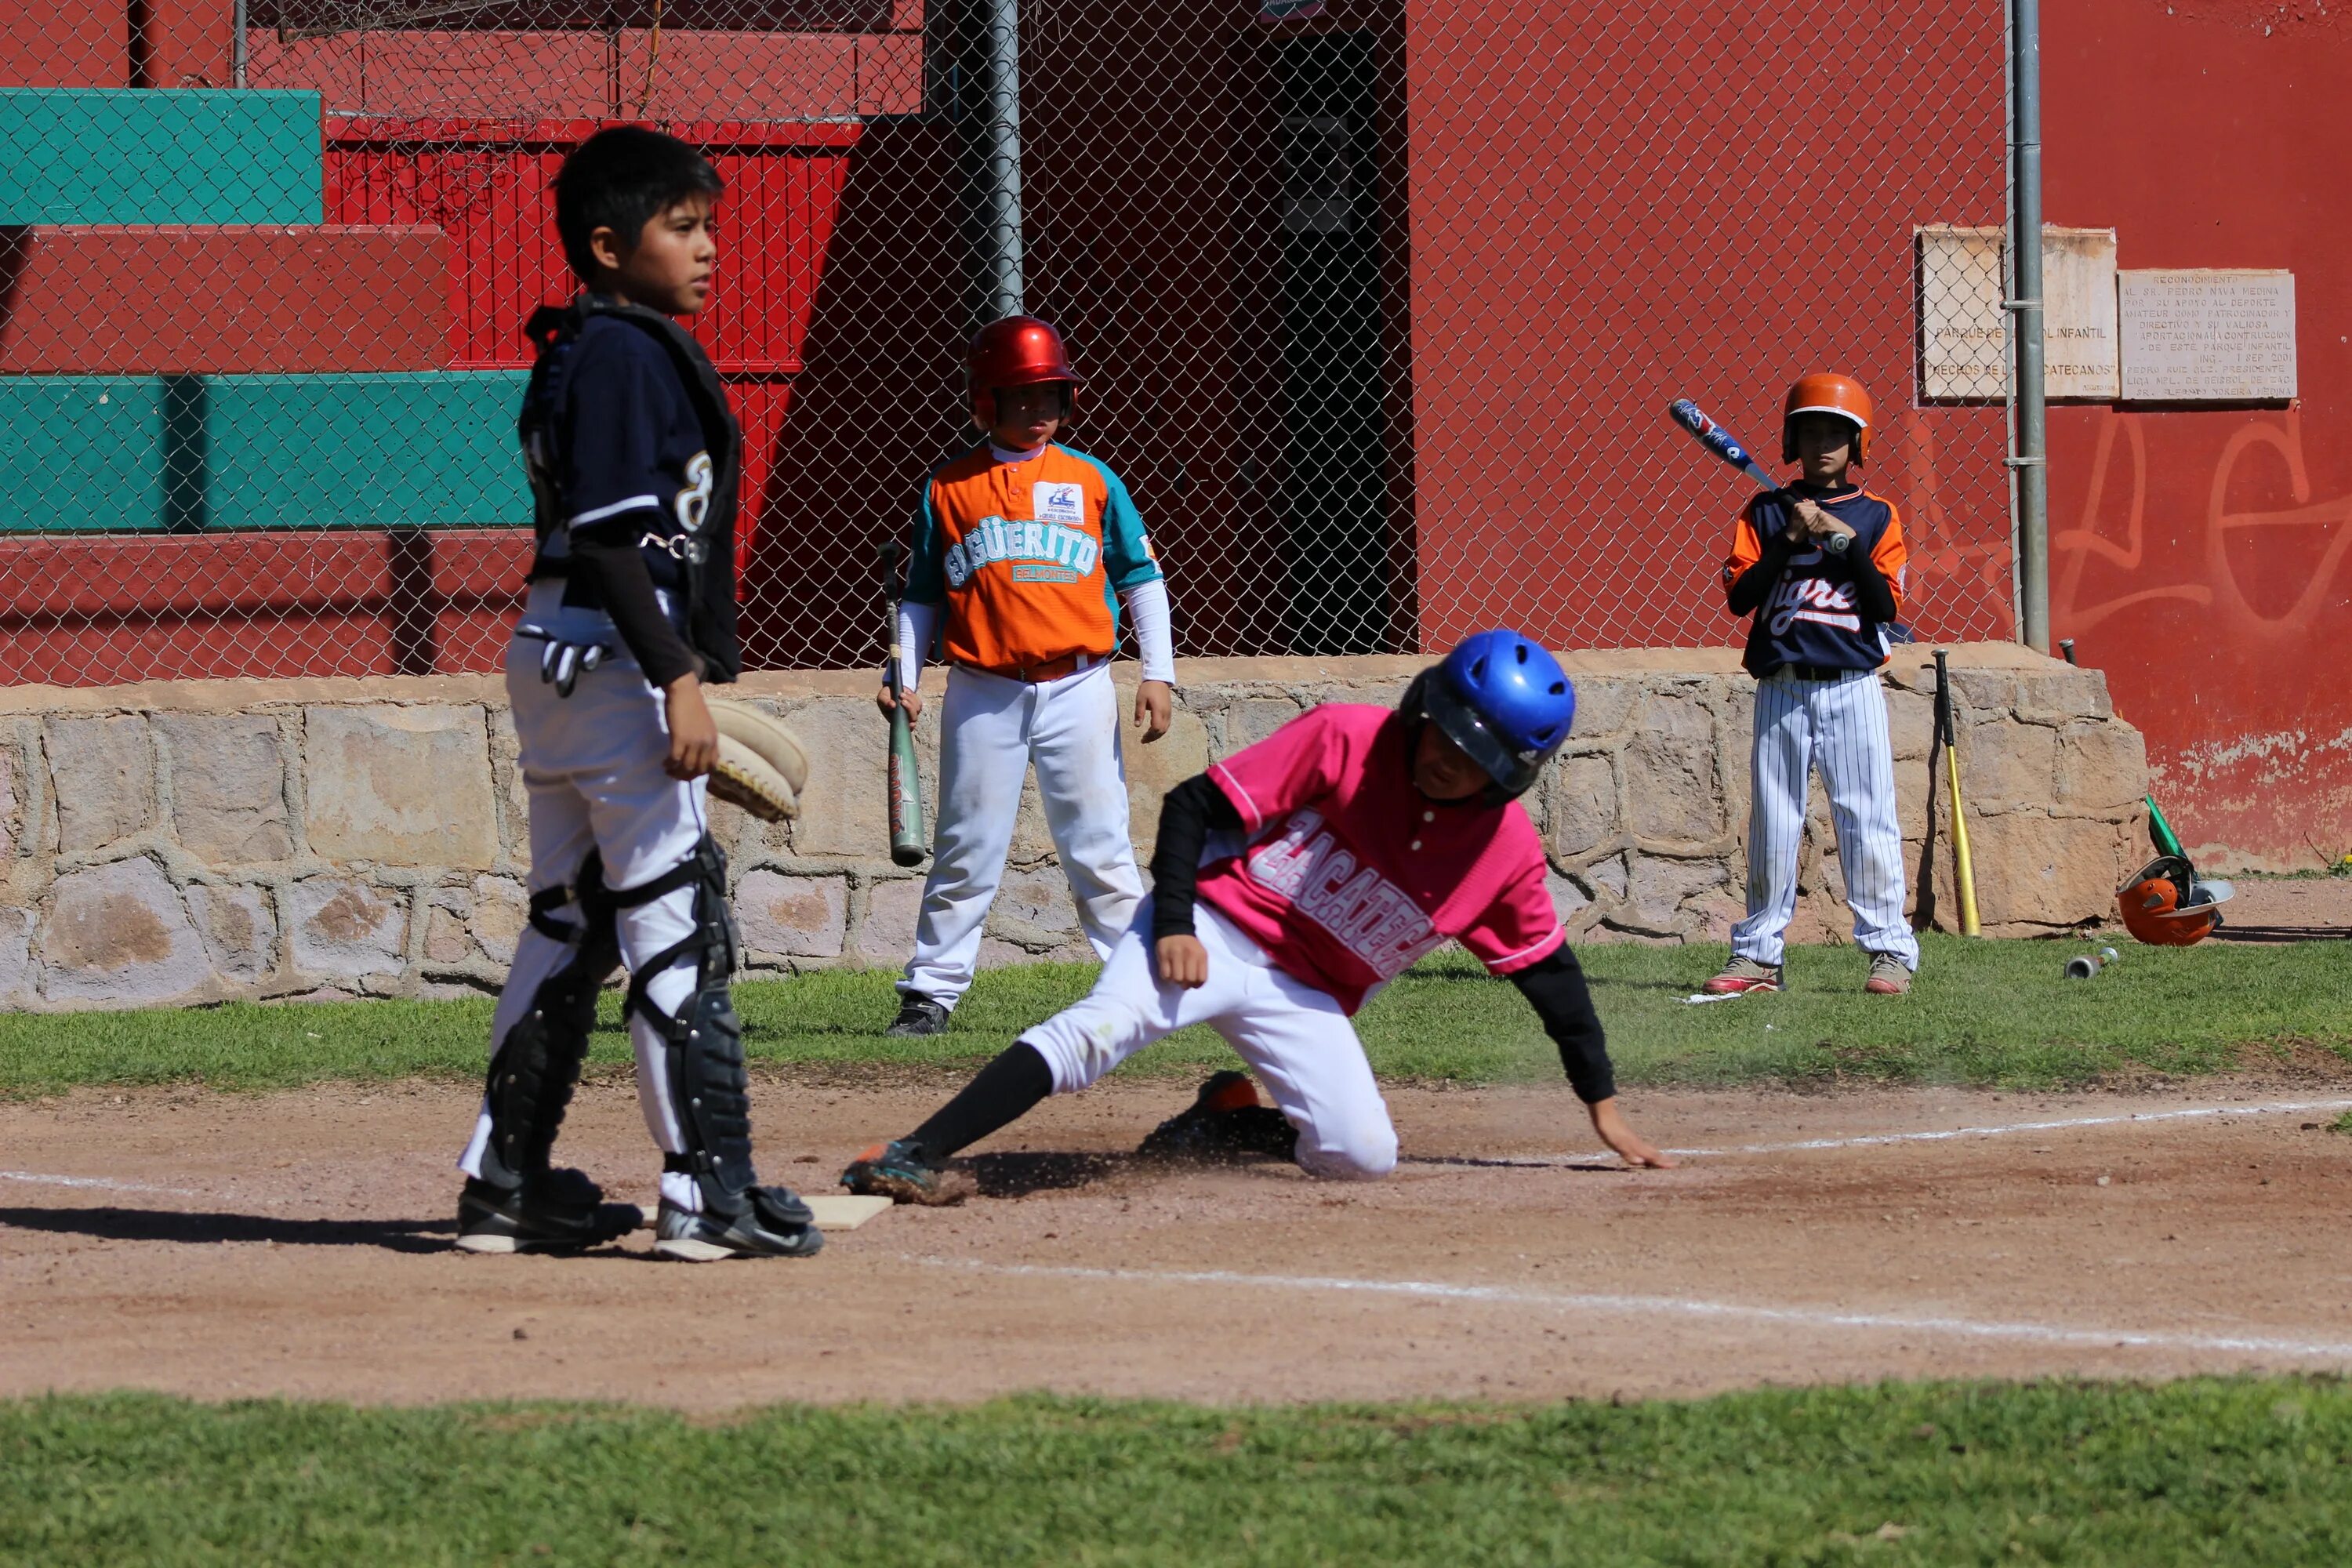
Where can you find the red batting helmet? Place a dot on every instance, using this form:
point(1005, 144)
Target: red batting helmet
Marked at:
point(1825, 394)
point(2165, 905)
point(1019, 351)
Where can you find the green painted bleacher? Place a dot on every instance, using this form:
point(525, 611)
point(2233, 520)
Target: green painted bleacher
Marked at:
point(131, 156)
point(186, 452)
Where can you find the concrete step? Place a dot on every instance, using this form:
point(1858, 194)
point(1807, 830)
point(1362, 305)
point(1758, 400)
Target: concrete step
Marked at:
point(223, 299)
point(183, 453)
point(98, 156)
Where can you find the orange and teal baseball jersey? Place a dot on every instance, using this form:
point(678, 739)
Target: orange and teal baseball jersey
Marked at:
point(1028, 557)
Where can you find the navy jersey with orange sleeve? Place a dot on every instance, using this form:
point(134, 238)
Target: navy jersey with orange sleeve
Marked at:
point(1814, 614)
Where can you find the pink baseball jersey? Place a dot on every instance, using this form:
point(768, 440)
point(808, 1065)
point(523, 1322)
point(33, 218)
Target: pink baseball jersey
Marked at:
point(1351, 875)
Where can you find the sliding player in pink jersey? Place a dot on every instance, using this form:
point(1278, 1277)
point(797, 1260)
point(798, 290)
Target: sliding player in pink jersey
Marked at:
point(1291, 882)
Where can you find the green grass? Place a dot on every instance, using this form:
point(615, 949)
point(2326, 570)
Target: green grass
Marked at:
point(1985, 1012)
point(2245, 1472)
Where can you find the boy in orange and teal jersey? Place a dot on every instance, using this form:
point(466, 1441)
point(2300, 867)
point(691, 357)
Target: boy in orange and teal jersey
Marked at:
point(1024, 552)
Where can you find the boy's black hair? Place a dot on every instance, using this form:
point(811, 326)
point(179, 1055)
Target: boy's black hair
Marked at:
point(622, 178)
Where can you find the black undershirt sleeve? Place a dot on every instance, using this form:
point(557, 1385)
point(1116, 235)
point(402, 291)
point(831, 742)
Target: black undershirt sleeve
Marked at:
point(1755, 585)
point(615, 573)
point(1873, 596)
point(1189, 814)
point(1555, 987)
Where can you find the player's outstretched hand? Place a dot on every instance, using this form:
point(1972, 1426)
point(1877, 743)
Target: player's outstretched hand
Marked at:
point(1155, 708)
point(1636, 1150)
point(693, 733)
point(1181, 961)
point(910, 696)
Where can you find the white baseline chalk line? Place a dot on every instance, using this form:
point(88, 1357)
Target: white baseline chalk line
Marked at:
point(2274, 1108)
point(38, 1178)
point(1688, 1307)
point(1941, 1135)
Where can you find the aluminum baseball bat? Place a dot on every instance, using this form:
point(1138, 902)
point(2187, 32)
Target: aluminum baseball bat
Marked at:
point(1718, 440)
point(906, 780)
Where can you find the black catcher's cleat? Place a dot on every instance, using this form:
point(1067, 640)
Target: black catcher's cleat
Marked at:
point(773, 1224)
point(560, 1211)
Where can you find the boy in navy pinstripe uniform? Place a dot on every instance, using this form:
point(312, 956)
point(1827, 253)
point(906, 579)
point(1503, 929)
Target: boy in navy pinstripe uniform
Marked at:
point(1820, 565)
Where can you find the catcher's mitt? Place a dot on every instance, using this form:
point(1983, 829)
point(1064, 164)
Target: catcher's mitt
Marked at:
point(761, 767)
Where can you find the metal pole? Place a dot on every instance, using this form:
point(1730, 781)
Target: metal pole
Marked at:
point(1001, 258)
point(2026, 248)
point(236, 45)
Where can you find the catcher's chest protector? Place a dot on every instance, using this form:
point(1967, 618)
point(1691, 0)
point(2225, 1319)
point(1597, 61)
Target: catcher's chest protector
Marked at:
point(705, 556)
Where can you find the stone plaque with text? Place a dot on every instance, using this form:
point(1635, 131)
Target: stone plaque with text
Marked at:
point(2206, 335)
point(1964, 333)
point(1963, 336)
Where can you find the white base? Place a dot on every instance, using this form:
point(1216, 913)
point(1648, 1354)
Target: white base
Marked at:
point(485, 1244)
point(844, 1210)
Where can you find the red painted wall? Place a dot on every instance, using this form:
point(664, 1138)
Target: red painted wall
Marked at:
point(92, 299)
point(68, 43)
point(1597, 229)
point(2198, 556)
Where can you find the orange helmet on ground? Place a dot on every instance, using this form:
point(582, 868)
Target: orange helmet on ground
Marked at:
point(1825, 394)
point(1018, 350)
point(2165, 905)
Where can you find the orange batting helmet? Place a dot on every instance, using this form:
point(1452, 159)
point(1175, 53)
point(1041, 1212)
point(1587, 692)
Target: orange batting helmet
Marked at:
point(1019, 351)
point(1825, 394)
point(2165, 905)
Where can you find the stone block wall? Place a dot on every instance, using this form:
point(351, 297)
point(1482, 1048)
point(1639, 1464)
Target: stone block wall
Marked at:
point(189, 842)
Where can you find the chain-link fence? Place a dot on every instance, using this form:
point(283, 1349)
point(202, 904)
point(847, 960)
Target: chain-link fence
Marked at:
point(1381, 301)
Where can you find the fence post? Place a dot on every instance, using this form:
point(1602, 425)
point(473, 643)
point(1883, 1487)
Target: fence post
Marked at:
point(2030, 459)
point(237, 57)
point(999, 130)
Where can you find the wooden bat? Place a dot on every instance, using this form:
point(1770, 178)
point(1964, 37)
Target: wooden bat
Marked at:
point(906, 787)
point(1718, 440)
point(1964, 873)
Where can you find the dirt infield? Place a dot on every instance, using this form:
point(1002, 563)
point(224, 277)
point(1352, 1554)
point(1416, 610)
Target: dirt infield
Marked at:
point(297, 1244)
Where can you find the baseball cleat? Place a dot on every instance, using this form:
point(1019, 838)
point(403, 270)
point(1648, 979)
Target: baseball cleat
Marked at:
point(918, 1015)
point(902, 1172)
point(1225, 1122)
point(1889, 975)
point(1742, 975)
point(775, 1224)
point(562, 1211)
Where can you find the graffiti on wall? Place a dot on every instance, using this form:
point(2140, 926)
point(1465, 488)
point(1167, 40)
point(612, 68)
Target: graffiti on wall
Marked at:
point(2210, 574)
point(2211, 586)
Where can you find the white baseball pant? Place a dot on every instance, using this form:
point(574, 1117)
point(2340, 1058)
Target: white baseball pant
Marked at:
point(992, 729)
point(1295, 1037)
point(591, 764)
point(1840, 726)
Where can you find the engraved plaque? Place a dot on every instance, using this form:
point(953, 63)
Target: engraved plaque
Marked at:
point(2207, 336)
point(2078, 315)
point(1964, 333)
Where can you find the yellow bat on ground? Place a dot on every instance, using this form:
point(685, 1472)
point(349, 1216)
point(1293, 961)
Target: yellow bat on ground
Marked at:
point(1964, 873)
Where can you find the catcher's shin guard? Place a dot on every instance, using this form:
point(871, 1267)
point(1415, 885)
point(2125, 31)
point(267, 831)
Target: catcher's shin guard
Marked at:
point(710, 1089)
point(536, 1067)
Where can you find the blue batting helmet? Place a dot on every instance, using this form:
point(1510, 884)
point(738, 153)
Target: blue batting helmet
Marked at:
point(1505, 702)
